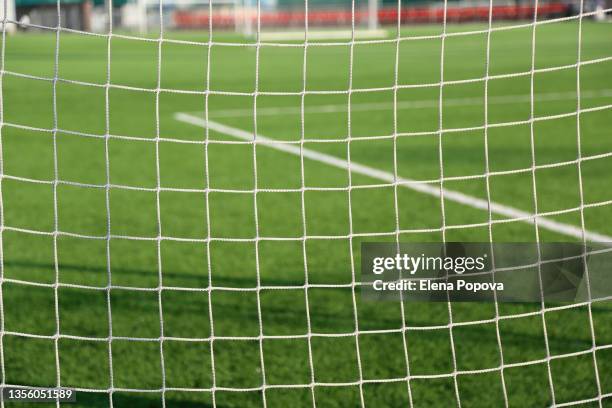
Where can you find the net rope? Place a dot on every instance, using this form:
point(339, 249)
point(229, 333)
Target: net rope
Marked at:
point(258, 141)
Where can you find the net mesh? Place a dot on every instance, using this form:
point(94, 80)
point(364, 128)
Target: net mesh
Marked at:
point(437, 187)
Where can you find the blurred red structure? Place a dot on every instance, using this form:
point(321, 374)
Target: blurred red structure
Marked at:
point(386, 16)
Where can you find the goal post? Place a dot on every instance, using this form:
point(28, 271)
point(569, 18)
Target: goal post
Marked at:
point(372, 15)
point(335, 19)
point(276, 19)
point(143, 15)
point(7, 13)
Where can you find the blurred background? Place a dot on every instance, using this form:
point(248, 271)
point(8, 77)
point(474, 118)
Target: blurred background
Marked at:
point(241, 15)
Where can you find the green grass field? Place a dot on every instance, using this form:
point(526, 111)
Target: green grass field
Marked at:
point(34, 258)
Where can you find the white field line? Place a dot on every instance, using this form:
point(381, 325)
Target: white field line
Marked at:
point(433, 190)
point(416, 104)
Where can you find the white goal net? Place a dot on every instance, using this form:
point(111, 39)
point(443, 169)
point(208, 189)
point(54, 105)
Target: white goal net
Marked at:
point(182, 210)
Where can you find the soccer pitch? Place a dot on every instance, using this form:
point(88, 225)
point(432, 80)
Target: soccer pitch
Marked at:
point(171, 282)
